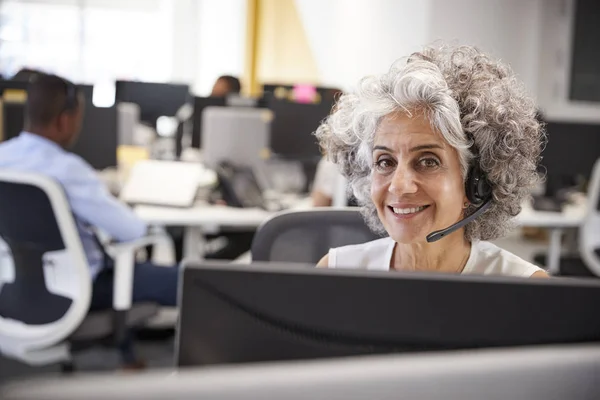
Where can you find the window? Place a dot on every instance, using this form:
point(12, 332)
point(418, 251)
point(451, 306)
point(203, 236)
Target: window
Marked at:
point(87, 42)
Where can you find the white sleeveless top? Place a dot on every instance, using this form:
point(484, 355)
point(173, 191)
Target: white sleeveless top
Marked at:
point(485, 259)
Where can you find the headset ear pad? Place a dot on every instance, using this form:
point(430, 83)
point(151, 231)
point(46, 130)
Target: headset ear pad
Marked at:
point(477, 187)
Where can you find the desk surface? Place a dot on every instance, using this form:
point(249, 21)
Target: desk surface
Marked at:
point(572, 216)
point(205, 215)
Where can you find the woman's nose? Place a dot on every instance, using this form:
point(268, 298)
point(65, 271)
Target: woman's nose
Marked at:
point(403, 182)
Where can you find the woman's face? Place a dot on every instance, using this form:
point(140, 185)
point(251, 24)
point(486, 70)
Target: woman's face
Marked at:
point(417, 186)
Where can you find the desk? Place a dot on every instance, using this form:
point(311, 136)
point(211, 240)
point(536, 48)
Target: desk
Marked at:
point(571, 217)
point(205, 219)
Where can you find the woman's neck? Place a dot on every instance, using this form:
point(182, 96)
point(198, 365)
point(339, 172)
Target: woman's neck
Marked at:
point(449, 254)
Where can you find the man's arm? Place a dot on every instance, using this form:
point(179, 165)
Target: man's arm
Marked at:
point(92, 203)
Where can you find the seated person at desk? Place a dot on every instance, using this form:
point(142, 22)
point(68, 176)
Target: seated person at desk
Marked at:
point(447, 134)
point(53, 115)
point(328, 185)
point(225, 85)
point(325, 184)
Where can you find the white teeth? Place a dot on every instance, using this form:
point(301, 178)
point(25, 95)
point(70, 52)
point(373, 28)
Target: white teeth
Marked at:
point(408, 210)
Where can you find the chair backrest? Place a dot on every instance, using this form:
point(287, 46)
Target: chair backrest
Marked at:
point(306, 236)
point(45, 282)
point(589, 232)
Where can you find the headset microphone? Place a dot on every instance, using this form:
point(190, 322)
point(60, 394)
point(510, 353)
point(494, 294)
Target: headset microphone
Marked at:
point(437, 235)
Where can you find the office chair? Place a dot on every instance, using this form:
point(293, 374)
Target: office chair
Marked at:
point(589, 232)
point(306, 236)
point(587, 263)
point(45, 282)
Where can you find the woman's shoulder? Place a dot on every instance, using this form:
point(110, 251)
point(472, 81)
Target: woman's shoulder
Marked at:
point(489, 259)
point(369, 255)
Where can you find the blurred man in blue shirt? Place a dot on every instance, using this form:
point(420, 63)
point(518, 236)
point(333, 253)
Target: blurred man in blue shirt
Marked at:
point(53, 116)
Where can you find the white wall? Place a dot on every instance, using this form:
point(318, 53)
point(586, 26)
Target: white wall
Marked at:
point(353, 38)
point(221, 41)
point(508, 29)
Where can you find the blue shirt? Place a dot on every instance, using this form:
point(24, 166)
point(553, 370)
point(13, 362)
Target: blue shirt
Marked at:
point(90, 200)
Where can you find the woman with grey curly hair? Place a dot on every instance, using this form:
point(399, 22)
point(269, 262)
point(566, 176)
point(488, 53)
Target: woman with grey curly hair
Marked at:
point(444, 145)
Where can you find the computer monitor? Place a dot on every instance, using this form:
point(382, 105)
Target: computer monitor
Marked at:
point(540, 373)
point(233, 314)
point(12, 85)
point(13, 115)
point(87, 91)
point(98, 139)
point(200, 103)
point(293, 127)
point(155, 99)
point(571, 152)
point(97, 142)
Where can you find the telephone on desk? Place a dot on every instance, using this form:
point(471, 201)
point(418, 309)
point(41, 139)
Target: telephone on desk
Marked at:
point(238, 187)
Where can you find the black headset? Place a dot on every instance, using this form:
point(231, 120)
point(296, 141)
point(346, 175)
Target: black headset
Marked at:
point(477, 187)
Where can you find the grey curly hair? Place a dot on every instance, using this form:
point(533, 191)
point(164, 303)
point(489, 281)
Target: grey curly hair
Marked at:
point(472, 100)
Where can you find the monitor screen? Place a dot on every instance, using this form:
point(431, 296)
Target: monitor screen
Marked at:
point(155, 99)
point(293, 127)
point(233, 314)
point(98, 139)
point(97, 142)
point(565, 139)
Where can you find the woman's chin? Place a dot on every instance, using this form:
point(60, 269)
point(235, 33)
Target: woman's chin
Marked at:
point(408, 237)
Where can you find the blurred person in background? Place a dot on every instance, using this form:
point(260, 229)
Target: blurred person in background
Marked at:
point(53, 116)
point(226, 85)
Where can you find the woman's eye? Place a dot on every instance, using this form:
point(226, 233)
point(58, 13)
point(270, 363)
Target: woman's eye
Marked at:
point(384, 165)
point(429, 163)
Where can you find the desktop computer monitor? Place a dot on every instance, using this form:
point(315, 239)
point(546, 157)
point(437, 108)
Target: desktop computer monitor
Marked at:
point(569, 155)
point(155, 99)
point(293, 127)
point(200, 103)
point(13, 115)
point(232, 314)
point(97, 142)
point(98, 139)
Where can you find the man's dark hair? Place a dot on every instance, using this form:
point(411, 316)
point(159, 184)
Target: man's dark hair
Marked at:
point(47, 97)
point(234, 83)
point(25, 75)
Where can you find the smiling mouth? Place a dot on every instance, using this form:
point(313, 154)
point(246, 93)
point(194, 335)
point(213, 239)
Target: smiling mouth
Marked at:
point(407, 211)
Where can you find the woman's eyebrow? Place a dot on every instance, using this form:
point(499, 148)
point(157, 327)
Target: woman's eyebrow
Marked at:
point(426, 147)
point(413, 149)
point(384, 148)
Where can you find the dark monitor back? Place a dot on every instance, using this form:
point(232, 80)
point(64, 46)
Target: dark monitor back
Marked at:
point(293, 127)
point(97, 143)
point(13, 119)
point(200, 103)
point(571, 152)
point(88, 92)
point(154, 99)
point(16, 85)
point(257, 313)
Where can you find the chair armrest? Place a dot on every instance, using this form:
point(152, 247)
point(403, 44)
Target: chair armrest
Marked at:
point(114, 249)
point(124, 256)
